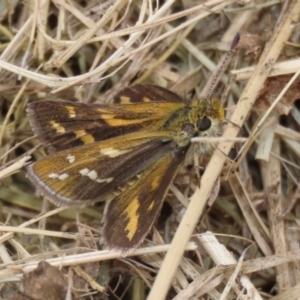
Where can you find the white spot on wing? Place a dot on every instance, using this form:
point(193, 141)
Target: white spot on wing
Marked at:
point(107, 180)
point(112, 152)
point(92, 175)
point(63, 176)
point(84, 171)
point(70, 158)
point(57, 176)
point(53, 175)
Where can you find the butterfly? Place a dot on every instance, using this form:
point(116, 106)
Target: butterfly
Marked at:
point(126, 153)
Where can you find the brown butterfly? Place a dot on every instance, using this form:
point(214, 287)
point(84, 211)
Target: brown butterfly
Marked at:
point(126, 153)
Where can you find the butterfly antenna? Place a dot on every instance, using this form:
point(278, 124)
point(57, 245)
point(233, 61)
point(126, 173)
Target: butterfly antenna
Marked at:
point(223, 64)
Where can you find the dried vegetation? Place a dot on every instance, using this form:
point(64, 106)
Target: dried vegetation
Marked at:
point(246, 244)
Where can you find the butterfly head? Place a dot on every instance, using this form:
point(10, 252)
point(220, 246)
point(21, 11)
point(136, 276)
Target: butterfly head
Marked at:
point(208, 117)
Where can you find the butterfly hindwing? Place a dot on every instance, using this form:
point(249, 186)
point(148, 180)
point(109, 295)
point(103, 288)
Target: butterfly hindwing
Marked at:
point(129, 217)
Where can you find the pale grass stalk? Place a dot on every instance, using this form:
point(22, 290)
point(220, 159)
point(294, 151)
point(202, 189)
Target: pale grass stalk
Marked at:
point(61, 83)
point(206, 287)
point(276, 101)
point(271, 175)
point(289, 293)
point(188, 81)
point(286, 161)
point(221, 256)
point(19, 38)
point(120, 54)
point(252, 5)
point(265, 142)
point(205, 282)
point(252, 138)
point(126, 31)
point(237, 25)
point(72, 236)
point(251, 292)
point(296, 115)
point(34, 19)
point(167, 53)
point(15, 167)
point(178, 195)
point(272, 106)
point(109, 63)
point(126, 13)
point(5, 257)
point(210, 139)
point(91, 281)
point(65, 55)
point(50, 81)
point(198, 201)
point(256, 225)
point(293, 145)
point(41, 17)
point(136, 267)
point(8, 235)
point(61, 21)
point(87, 257)
point(22, 252)
point(280, 68)
point(202, 57)
point(11, 110)
point(286, 132)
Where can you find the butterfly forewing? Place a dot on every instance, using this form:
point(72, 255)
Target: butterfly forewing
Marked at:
point(87, 174)
point(62, 125)
point(146, 93)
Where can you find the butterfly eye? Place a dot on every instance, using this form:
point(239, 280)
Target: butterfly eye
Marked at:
point(203, 124)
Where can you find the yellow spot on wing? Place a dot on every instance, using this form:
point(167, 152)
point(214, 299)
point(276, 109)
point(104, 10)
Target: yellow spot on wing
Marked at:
point(105, 113)
point(123, 122)
point(85, 137)
point(80, 133)
point(150, 207)
point(107, 116)
point(57, 127)
point(88, 139)
point(71, 111)
point(125, 100)
point(133, 218)
point(155, 182)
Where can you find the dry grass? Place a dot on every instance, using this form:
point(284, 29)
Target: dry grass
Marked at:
point(246, 245)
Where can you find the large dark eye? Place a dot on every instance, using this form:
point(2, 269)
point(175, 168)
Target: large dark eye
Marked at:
point(203, 124)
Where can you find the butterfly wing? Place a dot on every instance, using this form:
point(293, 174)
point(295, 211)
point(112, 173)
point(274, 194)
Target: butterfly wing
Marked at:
point(140, 93)
point(129, 217)
point(84, 175)
point(62, 125)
